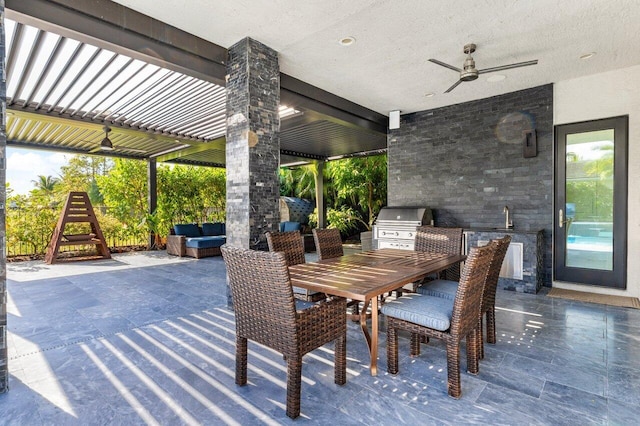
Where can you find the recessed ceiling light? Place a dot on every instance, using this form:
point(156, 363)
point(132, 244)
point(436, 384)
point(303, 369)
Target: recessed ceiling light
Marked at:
point(347, 41)
point(429, 95)
point(588, 55)
point(495, 78)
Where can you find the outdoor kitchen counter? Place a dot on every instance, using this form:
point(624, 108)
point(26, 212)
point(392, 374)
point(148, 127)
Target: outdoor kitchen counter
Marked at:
point(504, 230)
point(523, 267)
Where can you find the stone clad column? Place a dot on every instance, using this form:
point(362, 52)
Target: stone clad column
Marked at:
point(253, 144)
point(4, 367)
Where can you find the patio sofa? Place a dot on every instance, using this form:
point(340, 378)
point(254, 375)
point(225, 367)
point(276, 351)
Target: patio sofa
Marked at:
point(290, 226)
point(189, 239)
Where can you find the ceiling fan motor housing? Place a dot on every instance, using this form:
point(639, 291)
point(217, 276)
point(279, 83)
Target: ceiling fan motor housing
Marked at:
point(469, 73)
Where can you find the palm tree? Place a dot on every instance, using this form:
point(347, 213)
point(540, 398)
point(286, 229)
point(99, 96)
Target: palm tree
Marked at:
point(45, 184)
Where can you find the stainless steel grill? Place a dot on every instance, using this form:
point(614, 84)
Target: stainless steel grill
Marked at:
point(396, 226)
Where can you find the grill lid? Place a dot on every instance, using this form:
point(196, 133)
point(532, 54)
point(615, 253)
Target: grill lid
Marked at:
point(420, 215)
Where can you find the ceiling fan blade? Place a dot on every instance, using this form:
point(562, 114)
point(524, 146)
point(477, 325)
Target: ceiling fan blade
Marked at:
point(94, 150)
point(442, 64)
point(453, 87)
point(507, 67)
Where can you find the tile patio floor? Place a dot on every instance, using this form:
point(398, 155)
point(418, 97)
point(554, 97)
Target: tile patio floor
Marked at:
point(146, 338)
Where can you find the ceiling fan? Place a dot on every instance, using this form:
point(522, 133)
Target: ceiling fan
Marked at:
point(469, 71)
point(107, 145)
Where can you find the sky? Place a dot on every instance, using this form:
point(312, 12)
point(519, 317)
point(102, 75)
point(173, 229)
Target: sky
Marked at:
point(25, 165)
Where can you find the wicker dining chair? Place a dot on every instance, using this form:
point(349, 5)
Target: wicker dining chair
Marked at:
point(440, 318)
point(441, 240)
point(328, 243)
point(291, 244)
point(328, 246)
point(265, 312)
point(447, 289)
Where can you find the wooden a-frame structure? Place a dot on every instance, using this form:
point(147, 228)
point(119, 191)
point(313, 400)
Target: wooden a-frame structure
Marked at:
point(77, 209)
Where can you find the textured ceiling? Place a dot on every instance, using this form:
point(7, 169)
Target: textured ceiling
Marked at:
point(388, 68)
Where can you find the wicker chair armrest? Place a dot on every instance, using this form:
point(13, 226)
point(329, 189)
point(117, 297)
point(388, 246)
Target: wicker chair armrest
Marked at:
point(322, 323)
point(176, 245)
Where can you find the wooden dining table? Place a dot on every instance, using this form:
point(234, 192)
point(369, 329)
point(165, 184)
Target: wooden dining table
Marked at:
point(366, 276)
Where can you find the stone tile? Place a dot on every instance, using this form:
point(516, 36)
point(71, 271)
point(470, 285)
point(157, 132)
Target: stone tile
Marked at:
point(510, 378)
point(524, 409)
point(621, 413)
point(580, 402)
point(580, 363)
point(373, 408)
point(624, 384)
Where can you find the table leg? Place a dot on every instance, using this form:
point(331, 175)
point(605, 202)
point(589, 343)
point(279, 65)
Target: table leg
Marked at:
point(371, 338)
point(374, 336)
point(363, 324)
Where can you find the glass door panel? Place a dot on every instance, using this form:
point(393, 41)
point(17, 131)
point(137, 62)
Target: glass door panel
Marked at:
point(590, 228)
point(589, 200)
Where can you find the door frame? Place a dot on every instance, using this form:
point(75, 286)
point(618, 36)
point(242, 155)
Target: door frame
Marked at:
point(617, 278)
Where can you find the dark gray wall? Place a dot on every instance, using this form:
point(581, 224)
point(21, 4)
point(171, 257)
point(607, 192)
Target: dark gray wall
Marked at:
point(466, 162)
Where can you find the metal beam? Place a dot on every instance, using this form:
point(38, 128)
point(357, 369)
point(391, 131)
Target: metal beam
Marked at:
point(122, 30)
point(321, 205)
point(88, 124)
point(303, 155)
point(197, 163)
point(152, 194)
point(194, 149)
point(300, 95)
point(40, 147)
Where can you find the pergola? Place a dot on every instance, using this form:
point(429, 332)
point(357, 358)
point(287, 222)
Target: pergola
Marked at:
point(89, 77)
point(160, 91)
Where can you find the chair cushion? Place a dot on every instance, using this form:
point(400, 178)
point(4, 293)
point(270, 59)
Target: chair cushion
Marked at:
point(187, 229)
point(300, 290)
point(289, 226)
point(301, 305)
point(431, 312)
point(439, 288)
point(205, 242)
point(213, 229)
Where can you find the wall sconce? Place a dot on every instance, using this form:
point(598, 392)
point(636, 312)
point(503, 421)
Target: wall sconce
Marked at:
point(530, 148)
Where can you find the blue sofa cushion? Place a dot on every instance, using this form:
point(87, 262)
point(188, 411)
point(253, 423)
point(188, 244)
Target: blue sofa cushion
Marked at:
point(187, 229)
point(289, 226)
point(431, 312)
point(439, 288)
point(213, 229)
point(205, 242)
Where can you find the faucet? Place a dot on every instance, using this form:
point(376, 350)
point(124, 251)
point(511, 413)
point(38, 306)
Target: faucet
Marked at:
point(508, 223)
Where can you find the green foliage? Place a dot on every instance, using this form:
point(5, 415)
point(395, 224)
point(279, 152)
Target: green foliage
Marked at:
point(30, 222)
point(593, 200)
point(118, 193)
point(592, 194)
point(344, 218)
point(125, 193)
point(190, 194)
point(112, 228)
point(299, 182)
point(45, 184)
point(81, 174)
point(355, 191)
point(360, 183)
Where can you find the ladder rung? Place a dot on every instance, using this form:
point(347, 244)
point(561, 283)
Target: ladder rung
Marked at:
point(79, 243)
